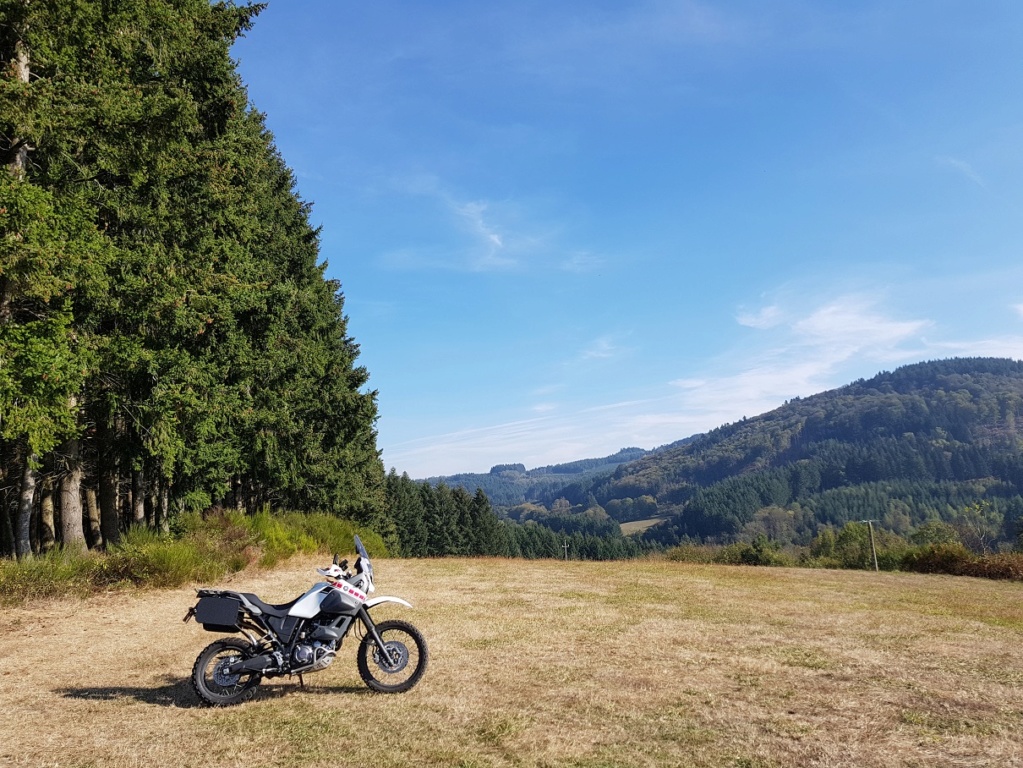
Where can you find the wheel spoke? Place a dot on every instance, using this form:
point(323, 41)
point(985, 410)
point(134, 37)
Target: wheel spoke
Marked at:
point(399, 665)
point(210, 676)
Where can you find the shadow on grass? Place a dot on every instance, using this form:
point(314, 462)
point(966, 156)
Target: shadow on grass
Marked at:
point(179, 693)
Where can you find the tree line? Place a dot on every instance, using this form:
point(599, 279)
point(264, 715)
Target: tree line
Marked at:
point(168, 339)
point(436, 520)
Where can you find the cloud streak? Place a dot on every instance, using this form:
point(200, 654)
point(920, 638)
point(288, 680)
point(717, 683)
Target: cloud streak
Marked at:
point(853, 326)
point(795, 355)
point(964, 168)
point(601, 349)
point(489, 252)
point(768, 317)
point(481, 235)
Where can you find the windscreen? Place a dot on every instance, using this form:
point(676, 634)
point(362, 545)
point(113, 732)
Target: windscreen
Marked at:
point(367, 567)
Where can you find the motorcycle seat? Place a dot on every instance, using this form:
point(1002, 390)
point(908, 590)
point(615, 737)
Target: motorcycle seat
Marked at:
point(280, 611)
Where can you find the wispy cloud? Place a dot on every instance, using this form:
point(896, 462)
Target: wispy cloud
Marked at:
point(482, 246)
point(1019, 309)
point(539, 441)
point(963, 168)
point(768, 317)
point(482, 235)
point(600, 349)
point(999, 346)
point(805, 353)
point(490, 251)
point(853, 325)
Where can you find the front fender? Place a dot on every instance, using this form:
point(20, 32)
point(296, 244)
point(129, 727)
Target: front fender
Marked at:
point(386, 599)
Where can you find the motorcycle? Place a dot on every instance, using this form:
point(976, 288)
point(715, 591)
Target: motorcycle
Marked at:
point(303, 636)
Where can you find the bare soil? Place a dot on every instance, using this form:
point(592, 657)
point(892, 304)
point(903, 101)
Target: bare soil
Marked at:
point(549, 664)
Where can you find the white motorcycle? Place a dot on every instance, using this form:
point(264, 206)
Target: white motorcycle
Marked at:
point(303, 636)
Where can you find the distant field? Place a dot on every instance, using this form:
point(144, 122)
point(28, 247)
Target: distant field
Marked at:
point(548, 663)
point(638, 526)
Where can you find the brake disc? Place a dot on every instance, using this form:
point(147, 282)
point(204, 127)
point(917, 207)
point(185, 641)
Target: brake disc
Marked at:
point(397, 657)
point(223, 678)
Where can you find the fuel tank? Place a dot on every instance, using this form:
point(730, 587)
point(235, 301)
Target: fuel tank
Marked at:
point(326, 598)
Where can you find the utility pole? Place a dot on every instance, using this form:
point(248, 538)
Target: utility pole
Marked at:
point(565, 547)
point(873, 549)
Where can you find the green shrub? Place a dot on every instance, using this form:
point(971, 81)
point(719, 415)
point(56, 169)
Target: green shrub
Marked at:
point(954, 559)
point(891, 559)
point(58, 572)
point(332, 534)
point(957, 560)
point(935, 532)
point(807, 560)
point(199, 549)
point(760, 551)
point(275, 540)
point(145, 557)
point(852, 547)
point(692, 553)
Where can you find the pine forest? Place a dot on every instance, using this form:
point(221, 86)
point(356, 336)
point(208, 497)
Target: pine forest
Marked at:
point(168, 340)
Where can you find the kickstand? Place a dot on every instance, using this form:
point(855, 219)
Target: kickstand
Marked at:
point(301, 682)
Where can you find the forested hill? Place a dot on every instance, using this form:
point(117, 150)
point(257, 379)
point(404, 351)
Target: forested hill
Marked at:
point(926, 441)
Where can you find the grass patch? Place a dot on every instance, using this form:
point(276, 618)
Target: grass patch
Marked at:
point(199, 549)
point(638, 526)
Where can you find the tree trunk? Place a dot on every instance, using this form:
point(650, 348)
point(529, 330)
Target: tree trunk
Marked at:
point(47, 531)
point(6, 529)
point(95, 535)
point(23, 529)
point(72, 531)
point(152, 504)
point(19, 158)
point(125, 504)
point(109, 510)
point(16, 164)
point(138, 498)
point(163, 519)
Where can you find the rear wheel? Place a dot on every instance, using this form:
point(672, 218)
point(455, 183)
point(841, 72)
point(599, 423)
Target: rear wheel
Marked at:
point(402, 662)
point(211, 680)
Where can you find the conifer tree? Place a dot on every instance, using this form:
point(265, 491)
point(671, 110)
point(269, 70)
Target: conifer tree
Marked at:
point(166, 329)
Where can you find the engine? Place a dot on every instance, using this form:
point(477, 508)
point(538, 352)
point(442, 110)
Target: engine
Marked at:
point(311, 657)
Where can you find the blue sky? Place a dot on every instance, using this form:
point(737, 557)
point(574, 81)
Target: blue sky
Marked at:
point(566, 228)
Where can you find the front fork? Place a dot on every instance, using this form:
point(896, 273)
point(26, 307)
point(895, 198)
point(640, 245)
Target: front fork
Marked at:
point(371, 629)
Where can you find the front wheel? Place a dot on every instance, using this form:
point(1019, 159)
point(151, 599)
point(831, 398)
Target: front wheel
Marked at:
point(402, 662)
point(211, 680)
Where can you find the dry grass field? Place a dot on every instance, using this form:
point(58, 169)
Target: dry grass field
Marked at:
point(638, 526)
point(549, 664)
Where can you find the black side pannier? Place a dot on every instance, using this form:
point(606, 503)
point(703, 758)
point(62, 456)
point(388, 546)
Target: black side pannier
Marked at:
point(218, 614)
